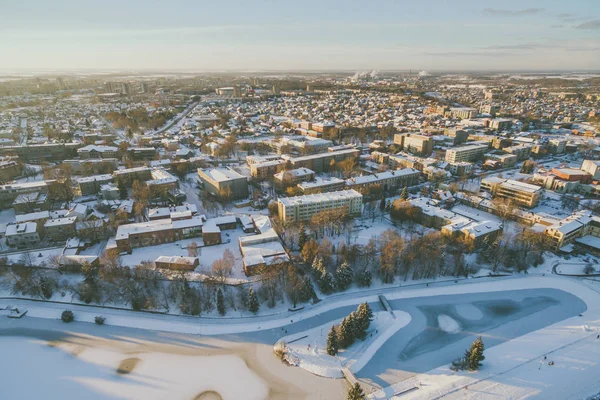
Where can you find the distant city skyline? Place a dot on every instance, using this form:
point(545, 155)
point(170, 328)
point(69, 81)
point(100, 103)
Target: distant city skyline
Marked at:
point(316, 35)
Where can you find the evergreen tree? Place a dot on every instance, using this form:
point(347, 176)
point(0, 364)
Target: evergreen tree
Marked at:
point(345, 336)
point(475, 354)
point(302, 237)
point(356, 392)
point(220, 302)
point(364, 278)
point(307, 291)
point(343, 276)
point(365, 316)
point(354, 326)
point(326, 282)
point(253, 304)
point(404, 193)
point(332, 342)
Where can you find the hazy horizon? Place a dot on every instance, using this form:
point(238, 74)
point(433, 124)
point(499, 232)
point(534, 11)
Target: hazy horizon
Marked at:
point(259, 36)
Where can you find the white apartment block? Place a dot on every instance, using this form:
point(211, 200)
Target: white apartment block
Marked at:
point(465, 153)
point(302, 208)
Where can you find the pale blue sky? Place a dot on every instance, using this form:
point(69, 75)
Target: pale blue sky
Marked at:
point(301, 35)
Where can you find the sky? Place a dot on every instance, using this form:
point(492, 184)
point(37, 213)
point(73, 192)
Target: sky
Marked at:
point(270, 35)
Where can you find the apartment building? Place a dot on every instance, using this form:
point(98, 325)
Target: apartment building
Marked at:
point(266, 169)
point(522, 151)
point(466, 153)
point(460, 136)
point(592, 167)
point(389, 180)
point(294, 176)
point(8, 193)
point(321, 162)
point(414, 143)
point(575, 226)
point(128, 175)
point(522, 193)
point(302, 208)
point(321, 185)
point(218, 181)
point(22, 235)
point(89, 185)
point(42, 152)
point(460, 168)
point(59, 229)
point(557, 146)
point(96, 152)
point(506, 160)
point(500, 124)
point(156, 232)
point(142, 153)
point(93, 166)
point(462, 112)
point(9, 170)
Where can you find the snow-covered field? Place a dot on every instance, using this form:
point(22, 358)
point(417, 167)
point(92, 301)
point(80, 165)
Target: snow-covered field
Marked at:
point(33, 368)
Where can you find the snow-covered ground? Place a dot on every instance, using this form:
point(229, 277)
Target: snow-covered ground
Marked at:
point(32, 368)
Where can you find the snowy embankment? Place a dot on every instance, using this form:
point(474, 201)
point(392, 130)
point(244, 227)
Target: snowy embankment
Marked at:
point(307, 349)
point(517, 368)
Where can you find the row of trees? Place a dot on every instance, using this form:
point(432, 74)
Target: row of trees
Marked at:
point(352, 327)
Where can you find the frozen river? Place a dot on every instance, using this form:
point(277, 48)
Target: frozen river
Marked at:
point(80, 360)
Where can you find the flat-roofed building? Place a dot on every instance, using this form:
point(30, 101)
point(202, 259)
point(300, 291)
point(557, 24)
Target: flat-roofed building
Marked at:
point(128, 175)
point(569, 229)
point(321, 185)
point(59, 229)
point(142, 153)
point(22, 235)
point(224, 181)
point(592, 167)
point(506, 160)
point(8, 193)
point(266, 169)
point(94, 151)
point(10, 169)
point(389, 180)
point(522, 151)
point(302, 208)
point(466, 153)
point(414, 143)
point(89, 185)
point(293, 176)
point(322, 161)
point(151, 233)
point(179, 263)
point(522, 193)
point(463, 112)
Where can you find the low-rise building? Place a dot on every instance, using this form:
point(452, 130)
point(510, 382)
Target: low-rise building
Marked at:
point(224, 182)
point(389, 180)
point(60, 229)
point(23, 235)
point(522, 193)
point(90, 185)
point(321, 185)
point(293, 176)
point(466, 153)
point(96, 152)
point(302, 208)
point(179, 263)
